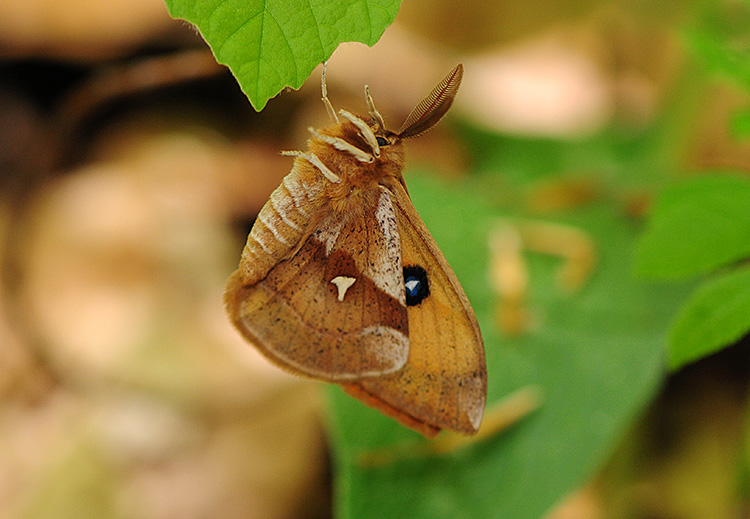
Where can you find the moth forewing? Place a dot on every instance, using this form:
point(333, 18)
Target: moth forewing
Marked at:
point(301, 320)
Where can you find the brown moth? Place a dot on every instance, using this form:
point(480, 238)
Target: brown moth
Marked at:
point(341, 281)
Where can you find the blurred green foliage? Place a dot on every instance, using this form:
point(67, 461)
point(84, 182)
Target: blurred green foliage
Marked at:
point(701, 225)
point(598, 355)
point(741, 124)
point(714, 316)
point(720, 38)
point(697, 226)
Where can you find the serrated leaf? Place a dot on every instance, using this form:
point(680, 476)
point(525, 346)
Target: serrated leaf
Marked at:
point(273, 44)
point(697, 226)
point(715, 316)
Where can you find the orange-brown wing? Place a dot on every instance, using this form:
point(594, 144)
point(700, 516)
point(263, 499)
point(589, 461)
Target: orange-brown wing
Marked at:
point(444, 382)
point(335, 310)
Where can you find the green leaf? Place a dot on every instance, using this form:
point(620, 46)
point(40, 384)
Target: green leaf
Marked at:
point(741, 123)
point(721, 39)
point(697, 226)
point(272, 44)
point(597, 358)
point(716, 315)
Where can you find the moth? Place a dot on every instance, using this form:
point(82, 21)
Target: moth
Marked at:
point(341, 281)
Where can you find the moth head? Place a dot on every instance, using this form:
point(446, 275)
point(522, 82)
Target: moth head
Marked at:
point(367, 142)
point(421, 119)
point(424, 116)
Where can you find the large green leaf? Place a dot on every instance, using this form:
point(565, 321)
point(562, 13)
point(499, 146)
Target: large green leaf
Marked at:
point(697, 226)
point(740, 125)
point(720, 38)
point(716, 315)
point(597, 357)
point(272, 44)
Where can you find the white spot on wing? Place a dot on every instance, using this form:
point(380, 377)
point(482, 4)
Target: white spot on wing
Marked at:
point(471, 400)
point(343, 283)
point(389, 344)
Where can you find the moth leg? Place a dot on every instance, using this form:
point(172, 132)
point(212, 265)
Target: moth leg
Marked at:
point(341, 144)
point(315, 161)
point(324, 92)
point(498, 418)
point(365, 131)
point(371, 108)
